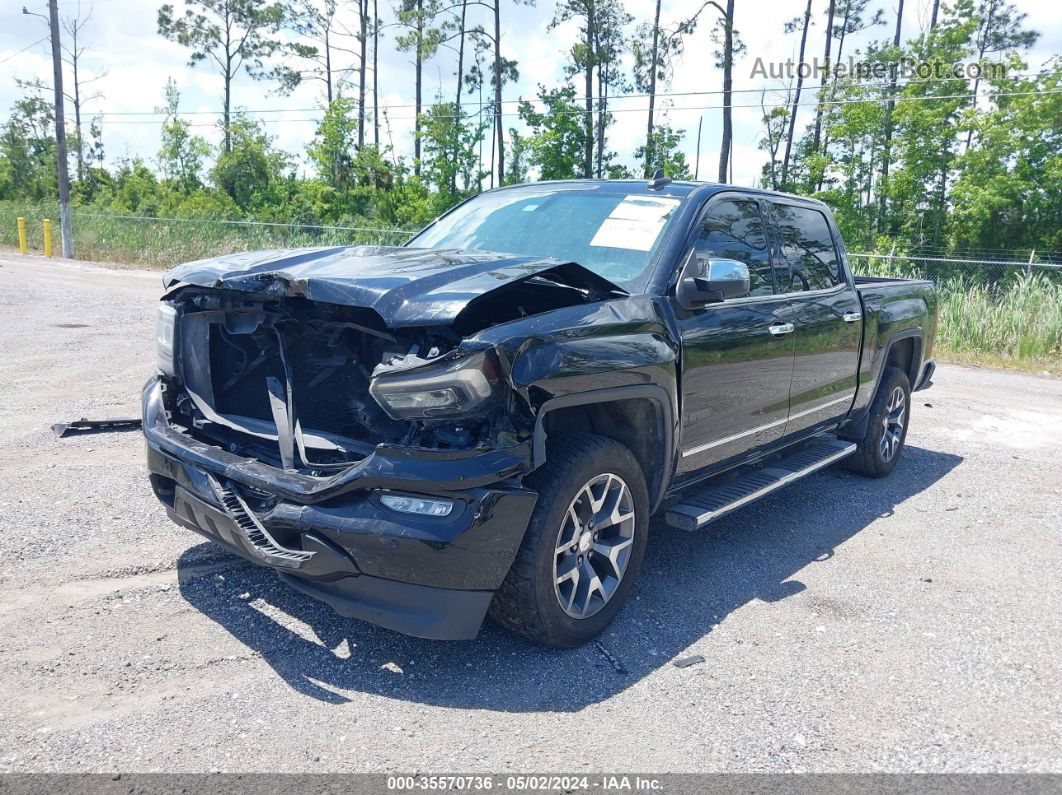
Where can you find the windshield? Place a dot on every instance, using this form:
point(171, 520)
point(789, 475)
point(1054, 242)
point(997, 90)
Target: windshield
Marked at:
point(612, 233)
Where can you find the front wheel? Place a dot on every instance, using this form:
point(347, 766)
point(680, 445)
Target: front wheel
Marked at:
point(583, 546)
point(880, 448)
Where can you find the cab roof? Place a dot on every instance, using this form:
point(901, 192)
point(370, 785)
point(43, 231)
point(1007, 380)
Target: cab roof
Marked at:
point(680, 188)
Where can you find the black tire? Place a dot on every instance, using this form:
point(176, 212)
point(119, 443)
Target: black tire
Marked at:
point(872, 459)
point(529, 600)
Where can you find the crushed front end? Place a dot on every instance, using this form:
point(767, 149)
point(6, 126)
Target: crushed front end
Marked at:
point(374, 468)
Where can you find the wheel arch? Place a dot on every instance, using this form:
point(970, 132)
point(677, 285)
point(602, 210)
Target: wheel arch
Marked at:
point(637, 416)
point(905, 352)
point(904, 349)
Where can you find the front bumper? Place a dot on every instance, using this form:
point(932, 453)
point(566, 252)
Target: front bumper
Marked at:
point(431, 577)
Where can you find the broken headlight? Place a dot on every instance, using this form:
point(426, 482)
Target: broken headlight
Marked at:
point(449, 390)
point(164, 347)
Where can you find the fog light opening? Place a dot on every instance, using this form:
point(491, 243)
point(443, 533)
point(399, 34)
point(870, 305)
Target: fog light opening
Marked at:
point(417, 505)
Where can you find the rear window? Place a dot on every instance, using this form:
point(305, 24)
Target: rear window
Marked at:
point(807, 248)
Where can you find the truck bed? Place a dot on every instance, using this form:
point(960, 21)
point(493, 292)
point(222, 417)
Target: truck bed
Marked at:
point(896, 309)
point(874, 281)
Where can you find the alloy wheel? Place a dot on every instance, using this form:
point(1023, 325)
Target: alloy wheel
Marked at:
point(893, 424)
point(594, 545)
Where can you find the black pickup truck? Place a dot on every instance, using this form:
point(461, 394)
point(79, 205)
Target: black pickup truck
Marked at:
point(419, 434)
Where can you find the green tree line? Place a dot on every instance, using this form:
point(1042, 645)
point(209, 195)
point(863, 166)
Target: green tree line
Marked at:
point(960, 162)
point(941, 162)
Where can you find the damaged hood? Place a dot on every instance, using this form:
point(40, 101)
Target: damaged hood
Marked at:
point(405, 286)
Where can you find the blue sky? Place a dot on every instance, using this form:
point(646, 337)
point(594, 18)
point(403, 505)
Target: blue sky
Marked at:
point(122, 41)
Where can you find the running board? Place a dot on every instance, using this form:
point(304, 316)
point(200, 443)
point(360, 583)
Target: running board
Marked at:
point(700, 509)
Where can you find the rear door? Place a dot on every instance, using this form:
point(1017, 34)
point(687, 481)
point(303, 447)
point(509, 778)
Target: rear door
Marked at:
point(826, 313)
point(737, 355)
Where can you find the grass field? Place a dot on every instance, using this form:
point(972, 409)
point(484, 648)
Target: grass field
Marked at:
point(1004, 319)
point(1011, 321)
point(156, 243)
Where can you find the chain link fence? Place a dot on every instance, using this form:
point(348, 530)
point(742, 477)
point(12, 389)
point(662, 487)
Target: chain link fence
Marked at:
point(163, 242)
point(169, 241)
point(997, 271)
point(157, 242)
point(994, 305)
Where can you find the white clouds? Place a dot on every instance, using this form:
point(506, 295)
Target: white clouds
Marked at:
point(26, 65)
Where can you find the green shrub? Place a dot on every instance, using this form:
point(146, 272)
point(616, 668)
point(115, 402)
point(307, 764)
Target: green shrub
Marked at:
point(1006, 317)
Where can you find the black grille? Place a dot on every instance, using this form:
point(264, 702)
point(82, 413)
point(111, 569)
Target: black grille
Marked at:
point(329, 389)
point(327, 398)
point(239, 383)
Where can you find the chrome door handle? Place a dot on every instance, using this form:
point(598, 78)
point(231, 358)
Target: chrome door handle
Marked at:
point(851, 317)
point(781, 328)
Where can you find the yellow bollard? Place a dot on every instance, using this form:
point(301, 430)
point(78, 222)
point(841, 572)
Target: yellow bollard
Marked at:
point(21, 235)
point(47, 237)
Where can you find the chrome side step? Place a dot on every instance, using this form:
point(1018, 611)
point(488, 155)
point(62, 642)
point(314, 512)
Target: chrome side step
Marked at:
point(700, 509)
point(252, 530)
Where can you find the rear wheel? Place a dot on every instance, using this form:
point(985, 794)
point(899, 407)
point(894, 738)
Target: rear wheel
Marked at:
point(584, 544)
point(880, 448)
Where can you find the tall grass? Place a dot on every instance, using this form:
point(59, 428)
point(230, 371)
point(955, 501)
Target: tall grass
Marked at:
point(998, 315)
point(163, 243)
point(1021, 319)
point(1002, 315)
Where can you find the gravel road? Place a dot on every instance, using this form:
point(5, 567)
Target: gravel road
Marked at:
point(907, 624)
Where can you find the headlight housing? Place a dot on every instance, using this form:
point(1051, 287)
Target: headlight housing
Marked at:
point(454, 389)
point(164, 339)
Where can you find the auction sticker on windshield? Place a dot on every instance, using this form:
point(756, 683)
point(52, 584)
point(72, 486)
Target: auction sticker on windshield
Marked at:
point(635, 223)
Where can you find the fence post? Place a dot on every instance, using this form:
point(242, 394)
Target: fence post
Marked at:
point(21, 235)
point(892, 251)
point(47, 237)
point(1028, 268)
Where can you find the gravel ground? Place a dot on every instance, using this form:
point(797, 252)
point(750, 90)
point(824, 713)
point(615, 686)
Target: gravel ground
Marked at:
point(907, 624)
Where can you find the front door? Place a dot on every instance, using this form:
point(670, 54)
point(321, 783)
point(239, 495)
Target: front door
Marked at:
point(826, 313)
point(737, 355)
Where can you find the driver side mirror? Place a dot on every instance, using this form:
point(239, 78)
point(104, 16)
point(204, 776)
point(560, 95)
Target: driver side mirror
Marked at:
point(712, 281)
